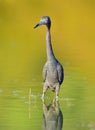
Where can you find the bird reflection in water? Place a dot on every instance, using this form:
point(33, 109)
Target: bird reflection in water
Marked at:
point(52, 116)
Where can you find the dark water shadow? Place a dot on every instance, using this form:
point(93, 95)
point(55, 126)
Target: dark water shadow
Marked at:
point(52, 116)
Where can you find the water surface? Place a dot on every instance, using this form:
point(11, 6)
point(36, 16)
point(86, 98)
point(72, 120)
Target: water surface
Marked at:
point(21, 106)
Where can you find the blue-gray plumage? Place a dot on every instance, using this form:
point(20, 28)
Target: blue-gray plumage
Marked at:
point(53, 73)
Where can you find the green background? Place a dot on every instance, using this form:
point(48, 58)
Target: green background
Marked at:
point(23, 54)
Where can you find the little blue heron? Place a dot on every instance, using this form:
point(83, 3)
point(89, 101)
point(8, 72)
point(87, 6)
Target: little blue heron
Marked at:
point(53, 73)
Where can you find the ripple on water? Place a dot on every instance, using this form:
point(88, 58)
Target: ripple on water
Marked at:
point(23, 97)
point(90, 125)
point(1, 90)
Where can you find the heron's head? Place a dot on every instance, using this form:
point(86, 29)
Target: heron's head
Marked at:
point(45, 20)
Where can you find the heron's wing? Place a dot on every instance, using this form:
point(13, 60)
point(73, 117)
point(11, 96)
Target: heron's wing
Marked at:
point(60, 73)
point(45, 71)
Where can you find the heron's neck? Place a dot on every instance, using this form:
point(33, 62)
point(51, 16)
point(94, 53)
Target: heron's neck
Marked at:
point(50, 54)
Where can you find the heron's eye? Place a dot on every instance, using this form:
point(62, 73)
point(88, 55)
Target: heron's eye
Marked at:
point(42, 20)
point(45, 20)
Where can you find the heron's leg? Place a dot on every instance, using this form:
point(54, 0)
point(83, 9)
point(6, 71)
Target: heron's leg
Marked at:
point(44, 90)
point(57, 91)
point(56, 106)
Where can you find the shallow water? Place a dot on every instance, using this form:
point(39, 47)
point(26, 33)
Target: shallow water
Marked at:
point(21, 106)
point(22, 54)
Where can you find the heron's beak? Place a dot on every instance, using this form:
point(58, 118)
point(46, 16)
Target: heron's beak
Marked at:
point(36, 25)
point(39, 24)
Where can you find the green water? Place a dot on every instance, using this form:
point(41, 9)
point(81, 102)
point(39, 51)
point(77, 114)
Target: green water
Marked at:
point(22, 56)
point(21, 107)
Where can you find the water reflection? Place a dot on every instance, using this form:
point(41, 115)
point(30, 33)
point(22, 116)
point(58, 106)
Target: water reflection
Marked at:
point(52, 116)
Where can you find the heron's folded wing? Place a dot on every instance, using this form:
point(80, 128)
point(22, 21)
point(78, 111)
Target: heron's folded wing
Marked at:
point(60, 73)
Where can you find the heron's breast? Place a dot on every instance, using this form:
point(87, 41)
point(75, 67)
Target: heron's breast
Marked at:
point(52, 72)
point(52, 77)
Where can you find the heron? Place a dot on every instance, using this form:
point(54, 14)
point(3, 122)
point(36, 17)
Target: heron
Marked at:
point(53, 72)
